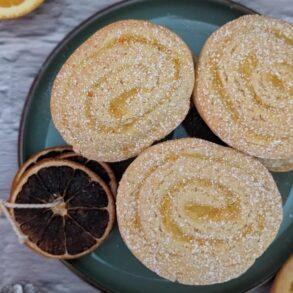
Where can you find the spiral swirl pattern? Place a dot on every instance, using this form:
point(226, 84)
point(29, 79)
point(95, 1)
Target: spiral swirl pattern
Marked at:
point(244, 87)
point(124, 88)
point(196, 212)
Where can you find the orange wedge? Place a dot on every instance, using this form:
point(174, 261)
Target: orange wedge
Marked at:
point(284, 280)
point(16, 8)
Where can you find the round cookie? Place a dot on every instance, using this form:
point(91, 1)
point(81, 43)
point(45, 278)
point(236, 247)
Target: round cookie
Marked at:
point(196, 212)
point(244, 86)
point(126, 87)
point(278, 165)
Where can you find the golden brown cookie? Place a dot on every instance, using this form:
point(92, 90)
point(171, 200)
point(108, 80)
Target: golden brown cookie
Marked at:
point(126, 87)
point(196, 212)
point(244, 88)
point(278, 165)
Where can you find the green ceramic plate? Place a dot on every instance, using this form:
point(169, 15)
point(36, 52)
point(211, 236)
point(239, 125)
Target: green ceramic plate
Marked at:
point(112, 267)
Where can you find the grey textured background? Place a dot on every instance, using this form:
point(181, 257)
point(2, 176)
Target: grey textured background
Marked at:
point(24, 45)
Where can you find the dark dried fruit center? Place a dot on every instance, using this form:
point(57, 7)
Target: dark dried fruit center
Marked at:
point(60, 209)
point(72, 226)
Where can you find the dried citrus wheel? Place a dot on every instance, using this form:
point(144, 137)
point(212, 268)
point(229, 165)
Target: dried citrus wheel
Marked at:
point(284, 279)
point(44, 154)
point(17, 8)
point(100, 168)
point(78, 224)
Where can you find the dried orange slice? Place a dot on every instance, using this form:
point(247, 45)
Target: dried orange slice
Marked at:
point(44, 154)
point(284, 279)
point(100, 168)
point(17, 8)
point(78, 224)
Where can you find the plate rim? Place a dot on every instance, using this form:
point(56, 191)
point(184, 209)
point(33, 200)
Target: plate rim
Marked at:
point(28, 99)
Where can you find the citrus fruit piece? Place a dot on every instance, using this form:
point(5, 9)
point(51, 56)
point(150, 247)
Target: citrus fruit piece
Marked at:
point(17, 8)
point(78, 224)
point(100, 168)
point(284, 279)
point(44, 154)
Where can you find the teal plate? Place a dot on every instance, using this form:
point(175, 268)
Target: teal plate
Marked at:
point(112, 267)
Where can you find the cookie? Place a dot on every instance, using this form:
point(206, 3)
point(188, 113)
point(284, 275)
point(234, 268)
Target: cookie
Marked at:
point(126, 87)
point(196, 212)
point(244, 86)
point(278, 165)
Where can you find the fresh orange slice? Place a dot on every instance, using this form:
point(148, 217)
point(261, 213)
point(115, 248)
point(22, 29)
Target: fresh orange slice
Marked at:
point(80, 221)
point(17, 8)
point(284, 280)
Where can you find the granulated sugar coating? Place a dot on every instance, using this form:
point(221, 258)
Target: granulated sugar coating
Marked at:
point(244, 87)
point(124, 88)
point(196, 212)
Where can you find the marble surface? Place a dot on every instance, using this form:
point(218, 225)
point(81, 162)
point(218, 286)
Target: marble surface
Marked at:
point(24, 45)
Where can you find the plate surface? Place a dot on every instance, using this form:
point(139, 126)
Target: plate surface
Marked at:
point(112, 267)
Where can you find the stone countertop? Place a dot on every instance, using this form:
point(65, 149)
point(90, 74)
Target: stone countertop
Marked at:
point(24, 45)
